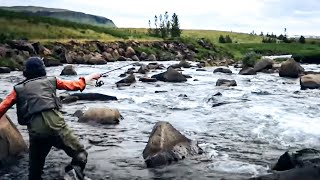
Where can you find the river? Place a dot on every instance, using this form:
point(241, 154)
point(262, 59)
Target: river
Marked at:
point(262, 117)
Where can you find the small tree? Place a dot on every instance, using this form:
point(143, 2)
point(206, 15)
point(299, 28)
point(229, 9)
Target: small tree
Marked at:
point(261, 34)
point(302, 40)
point(221, 39)
point(175, 26)
point(228, 39)
point(156, 30)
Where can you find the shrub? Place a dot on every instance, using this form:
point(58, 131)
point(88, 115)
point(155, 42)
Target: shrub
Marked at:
point(221, 39)
point(302, 40)
point(250, 59)
point(228, 39)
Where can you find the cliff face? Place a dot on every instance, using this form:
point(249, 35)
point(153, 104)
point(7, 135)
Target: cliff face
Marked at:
point(63, 14)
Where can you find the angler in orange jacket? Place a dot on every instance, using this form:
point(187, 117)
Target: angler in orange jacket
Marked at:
point(38, 109)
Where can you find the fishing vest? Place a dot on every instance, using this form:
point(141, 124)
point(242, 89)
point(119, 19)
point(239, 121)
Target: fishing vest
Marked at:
point(34, 96)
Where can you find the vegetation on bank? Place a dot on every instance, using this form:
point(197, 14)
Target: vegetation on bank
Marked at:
point(23, 26)
point(17, 25)
point(308, 53)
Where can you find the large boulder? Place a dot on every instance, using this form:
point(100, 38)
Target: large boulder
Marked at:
point(50, 61)
point(130, 52)
point(23, 46)
point(143, 56)
point(143, 69)
point(226, 82)
point(99, 115)
point(152, 57)
point(222, 70)
point(108, 57)
point(303, 164)
point(95, 59)
point(263, 64)
point(301, 158)
point(4, 70)
point(247, 71)
point(11, 141)
point(166, 145)
point(171, 75)
point(304, 173)
point(41, 50)
point(310, 81)
point(290, 68)
point(68, 70)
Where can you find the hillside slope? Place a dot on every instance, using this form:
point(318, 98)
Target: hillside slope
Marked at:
point(63, 14)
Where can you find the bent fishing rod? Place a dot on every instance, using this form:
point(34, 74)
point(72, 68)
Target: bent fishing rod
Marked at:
point(99, 83)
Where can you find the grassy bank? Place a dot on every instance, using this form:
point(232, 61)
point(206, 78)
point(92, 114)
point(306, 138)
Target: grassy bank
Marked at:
point(19, 25)
point(303, 52)
point(16, 25)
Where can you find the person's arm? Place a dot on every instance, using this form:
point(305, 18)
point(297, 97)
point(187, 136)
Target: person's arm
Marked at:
point(77, 84)
point(8, 102)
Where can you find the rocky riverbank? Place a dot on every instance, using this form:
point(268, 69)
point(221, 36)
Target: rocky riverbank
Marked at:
point(14, 53)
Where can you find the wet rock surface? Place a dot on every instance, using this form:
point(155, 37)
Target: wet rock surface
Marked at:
point(68, 70)
point(291, 69)
point(99, 115)
point(226, 82)
point(167, 145)
point(11, 141)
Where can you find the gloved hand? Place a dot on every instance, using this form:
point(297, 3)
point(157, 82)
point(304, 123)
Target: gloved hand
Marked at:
point(93, 76)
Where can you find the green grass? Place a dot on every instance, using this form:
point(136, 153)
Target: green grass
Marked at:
point(301, 51)
point(21, 25)
point(213, 36)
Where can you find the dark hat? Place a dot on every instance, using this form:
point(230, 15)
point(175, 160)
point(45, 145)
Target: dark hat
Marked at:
point(34, 68)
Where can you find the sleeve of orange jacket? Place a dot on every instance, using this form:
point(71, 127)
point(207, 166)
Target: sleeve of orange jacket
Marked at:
point(8, 102)
point(71, 85)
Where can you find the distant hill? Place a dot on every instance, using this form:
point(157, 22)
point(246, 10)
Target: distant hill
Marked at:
point(63, 14)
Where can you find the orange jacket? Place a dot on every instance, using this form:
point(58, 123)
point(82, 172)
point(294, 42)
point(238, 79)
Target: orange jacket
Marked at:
point(11, 99)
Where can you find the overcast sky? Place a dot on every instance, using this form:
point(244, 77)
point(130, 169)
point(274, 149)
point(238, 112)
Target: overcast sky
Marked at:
point(298, 16)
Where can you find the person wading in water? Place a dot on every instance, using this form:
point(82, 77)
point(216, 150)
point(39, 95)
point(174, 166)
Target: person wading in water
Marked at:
point(38, 108)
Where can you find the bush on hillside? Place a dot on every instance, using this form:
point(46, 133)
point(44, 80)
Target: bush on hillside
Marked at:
point(250, 59)
point(302, 40)
point(222, 39)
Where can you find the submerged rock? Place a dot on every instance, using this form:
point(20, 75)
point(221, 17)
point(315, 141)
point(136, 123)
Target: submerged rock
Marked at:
point(222, 70)
point(126, 81)
point(226, 82)
point(87, 97)
point(11, 141)
point(4, 70)
point(99, 115)
point(147, 79)
point(167, 145)
point(247, 71)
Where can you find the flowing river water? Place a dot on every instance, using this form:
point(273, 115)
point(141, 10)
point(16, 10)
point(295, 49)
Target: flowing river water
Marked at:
point(254, 124)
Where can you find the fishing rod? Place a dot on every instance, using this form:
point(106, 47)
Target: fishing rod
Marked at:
point(99, 83)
